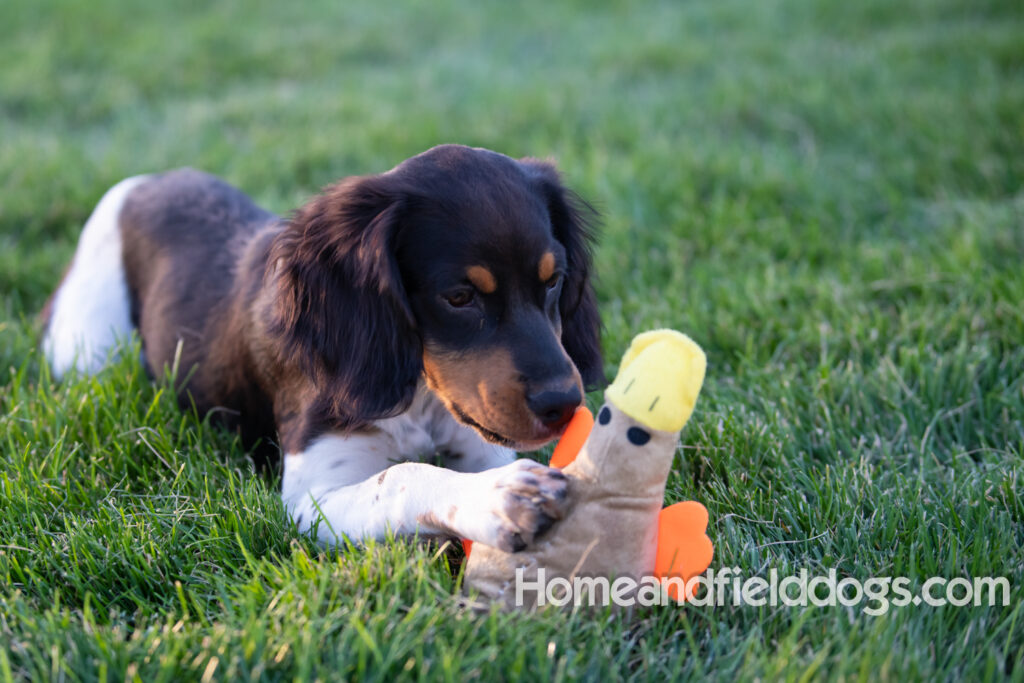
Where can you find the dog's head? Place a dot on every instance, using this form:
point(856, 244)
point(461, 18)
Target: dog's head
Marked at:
point(462, 266)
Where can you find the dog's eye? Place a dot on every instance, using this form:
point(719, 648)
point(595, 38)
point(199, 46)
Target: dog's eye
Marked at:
point(459, 298)
point(553, 282)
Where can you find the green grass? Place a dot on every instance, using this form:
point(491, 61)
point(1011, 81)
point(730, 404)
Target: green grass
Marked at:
point(828, 196)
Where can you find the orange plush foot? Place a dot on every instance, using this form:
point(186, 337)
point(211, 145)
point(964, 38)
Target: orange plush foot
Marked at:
point(684, 548)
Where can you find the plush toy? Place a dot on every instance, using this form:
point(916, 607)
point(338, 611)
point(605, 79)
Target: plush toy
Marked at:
point(615, 525)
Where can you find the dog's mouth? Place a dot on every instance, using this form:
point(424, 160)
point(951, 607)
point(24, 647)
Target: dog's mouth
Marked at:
point(494, 405)
point(538, 438)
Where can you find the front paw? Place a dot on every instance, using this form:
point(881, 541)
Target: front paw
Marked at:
point(520, 501)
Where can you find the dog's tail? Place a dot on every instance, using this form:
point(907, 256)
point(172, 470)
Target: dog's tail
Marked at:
point(90, 311)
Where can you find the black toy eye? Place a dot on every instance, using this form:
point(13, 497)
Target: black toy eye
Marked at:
point(460, 298)
point(605, 416)
point(637, 436)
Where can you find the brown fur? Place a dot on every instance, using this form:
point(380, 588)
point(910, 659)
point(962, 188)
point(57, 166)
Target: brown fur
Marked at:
point(546, 267)
point(482, 279)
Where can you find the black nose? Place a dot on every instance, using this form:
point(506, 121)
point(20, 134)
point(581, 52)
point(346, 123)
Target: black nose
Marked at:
point(554, 407)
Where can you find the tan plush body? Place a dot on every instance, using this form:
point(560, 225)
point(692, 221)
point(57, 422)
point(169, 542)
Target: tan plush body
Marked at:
point(617, 482)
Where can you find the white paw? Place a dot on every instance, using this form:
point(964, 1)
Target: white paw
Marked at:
point(514, 504)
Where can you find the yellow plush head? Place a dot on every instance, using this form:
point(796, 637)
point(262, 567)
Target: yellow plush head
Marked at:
point(659, 379)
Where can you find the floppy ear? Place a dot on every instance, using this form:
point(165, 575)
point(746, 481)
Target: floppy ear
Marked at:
point(341, 312)
point(573, 221)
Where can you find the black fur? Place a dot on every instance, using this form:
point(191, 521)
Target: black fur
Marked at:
point(574, 221)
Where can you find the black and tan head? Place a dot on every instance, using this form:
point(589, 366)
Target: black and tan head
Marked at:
point(460, 266)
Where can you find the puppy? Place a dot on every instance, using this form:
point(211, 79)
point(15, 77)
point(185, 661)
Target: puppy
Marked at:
point(397, 337)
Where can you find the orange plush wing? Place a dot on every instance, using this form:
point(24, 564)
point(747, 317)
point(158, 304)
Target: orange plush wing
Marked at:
point(576, 434)
point(568, 447)
point(684, 548)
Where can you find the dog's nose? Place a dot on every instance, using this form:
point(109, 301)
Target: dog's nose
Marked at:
point(555, 407)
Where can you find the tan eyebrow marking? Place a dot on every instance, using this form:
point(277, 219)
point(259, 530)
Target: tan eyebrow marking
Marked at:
point(546, 268)
point(482, 279)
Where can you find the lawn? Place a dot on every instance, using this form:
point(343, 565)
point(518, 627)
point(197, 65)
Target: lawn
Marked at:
point(827, 196)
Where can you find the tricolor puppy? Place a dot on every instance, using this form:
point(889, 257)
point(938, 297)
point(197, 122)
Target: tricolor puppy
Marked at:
point(398, 336)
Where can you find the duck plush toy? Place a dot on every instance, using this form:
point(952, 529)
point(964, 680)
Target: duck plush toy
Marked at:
point(615, 525)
